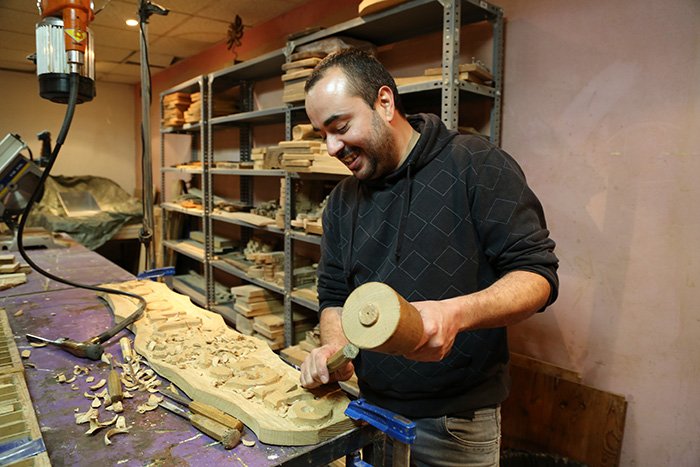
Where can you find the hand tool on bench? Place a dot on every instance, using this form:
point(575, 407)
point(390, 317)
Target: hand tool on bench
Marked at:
point(127, 353)
point(402, 430)
point(206, 410)
point(91, 348)
point(342, 357)
point(227, 436)
point(114, 383)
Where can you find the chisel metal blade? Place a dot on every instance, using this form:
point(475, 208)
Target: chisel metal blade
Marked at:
point(176, 409)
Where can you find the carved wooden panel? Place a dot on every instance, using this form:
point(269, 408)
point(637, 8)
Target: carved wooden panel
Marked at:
point(238, 374)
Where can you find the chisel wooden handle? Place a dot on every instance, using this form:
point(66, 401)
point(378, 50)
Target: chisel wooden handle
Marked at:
point(228, 437)
point(215, 414)
point(114, 384)
point(341, 358)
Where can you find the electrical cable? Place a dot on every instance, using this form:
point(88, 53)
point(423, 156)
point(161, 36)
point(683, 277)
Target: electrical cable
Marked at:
point(72, 103)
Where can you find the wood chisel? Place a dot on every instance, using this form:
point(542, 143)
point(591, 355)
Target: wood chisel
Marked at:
point(114, 383)
point(205, 409)
point(342, 357)
point(127, 355)
point(228, 437)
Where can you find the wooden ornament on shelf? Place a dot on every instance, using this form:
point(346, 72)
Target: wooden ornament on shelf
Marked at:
point(377, 318)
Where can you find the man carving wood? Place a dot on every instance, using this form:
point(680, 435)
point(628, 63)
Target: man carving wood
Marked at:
point(450, 223)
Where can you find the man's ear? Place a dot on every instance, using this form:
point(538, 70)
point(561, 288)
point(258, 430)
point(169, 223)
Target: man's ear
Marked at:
point(385, 103)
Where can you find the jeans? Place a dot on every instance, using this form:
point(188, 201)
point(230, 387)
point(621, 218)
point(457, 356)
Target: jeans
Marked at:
point(451, 441)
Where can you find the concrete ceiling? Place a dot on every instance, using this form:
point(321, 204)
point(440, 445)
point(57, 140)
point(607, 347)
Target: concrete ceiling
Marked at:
point(191, 27)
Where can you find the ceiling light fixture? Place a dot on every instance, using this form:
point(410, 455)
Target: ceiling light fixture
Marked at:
point(132, 22)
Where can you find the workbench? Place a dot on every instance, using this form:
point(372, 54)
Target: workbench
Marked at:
point(55, 310)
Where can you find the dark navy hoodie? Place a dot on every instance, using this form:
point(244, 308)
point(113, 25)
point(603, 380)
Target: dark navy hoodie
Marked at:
point(454, 218)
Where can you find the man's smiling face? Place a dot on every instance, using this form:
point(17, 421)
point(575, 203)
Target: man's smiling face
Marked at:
point(355, 133)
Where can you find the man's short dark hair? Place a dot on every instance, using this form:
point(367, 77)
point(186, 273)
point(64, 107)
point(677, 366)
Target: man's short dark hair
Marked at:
point(364, 73)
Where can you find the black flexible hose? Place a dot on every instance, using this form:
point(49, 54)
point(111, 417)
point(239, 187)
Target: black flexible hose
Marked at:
point(72, 103)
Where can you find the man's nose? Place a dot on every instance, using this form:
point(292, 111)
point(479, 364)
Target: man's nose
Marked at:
point(334, 145)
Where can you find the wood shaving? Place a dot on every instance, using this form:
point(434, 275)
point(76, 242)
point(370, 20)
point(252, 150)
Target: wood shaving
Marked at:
point(143, 408)
point(19, 313)
point(106, 357)
point(29, 365)
point(121, 422)
point(84, 417)
point(96, 403)
point(61, 378)
point(89, 379)
point(71, 379)
point(75, 387)
point(101, 383)
point(113, 432)
point(26, 353)
point(88, 395)
point(38, 344)
point(94, 426)
point(111, 422)
point(118, 407)
point(248, 443)
point(127, 395)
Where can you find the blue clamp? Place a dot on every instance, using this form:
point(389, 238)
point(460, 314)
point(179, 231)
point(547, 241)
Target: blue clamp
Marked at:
point(159, 272)
point(390, 423)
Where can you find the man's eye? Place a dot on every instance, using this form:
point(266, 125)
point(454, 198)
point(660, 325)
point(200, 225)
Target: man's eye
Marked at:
point(342, 129)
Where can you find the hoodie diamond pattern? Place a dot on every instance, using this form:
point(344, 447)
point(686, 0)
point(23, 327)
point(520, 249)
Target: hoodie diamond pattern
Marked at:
point(452, 220)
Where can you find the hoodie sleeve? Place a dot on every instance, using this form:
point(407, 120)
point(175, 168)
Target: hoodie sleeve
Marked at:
point(332, 286)
point(510, 220)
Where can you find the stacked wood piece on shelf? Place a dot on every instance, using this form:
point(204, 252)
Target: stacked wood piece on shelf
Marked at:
point(297, 71)
point(310, 156)
point(266, 158)
point(259, 313)
point(472, 72)
point(174, 107)
point(251, 301)
point(193, 114)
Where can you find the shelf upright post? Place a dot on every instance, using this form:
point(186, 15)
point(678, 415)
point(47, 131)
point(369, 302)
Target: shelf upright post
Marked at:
point(163, 213)
point(497, 23)
point(451, 23)
point(288, 243)
point(207, 187)
point(246, 140)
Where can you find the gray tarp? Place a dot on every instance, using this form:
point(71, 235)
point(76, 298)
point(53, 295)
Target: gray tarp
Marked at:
point(118, 209)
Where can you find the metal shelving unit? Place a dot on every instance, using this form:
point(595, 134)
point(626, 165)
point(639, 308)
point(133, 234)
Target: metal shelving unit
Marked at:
point(409, 20)
point(198, 131)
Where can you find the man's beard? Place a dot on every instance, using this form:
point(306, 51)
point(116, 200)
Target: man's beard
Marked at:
point(380, 151)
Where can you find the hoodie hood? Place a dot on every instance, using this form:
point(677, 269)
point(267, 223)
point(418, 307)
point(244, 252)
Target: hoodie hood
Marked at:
point(434, 136)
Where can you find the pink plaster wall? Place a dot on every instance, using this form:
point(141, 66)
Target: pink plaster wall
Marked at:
point(602, 110)
point(601, 107)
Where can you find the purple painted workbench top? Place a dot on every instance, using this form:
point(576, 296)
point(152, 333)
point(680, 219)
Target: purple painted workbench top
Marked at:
point(156, 437)
point(74, 262)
